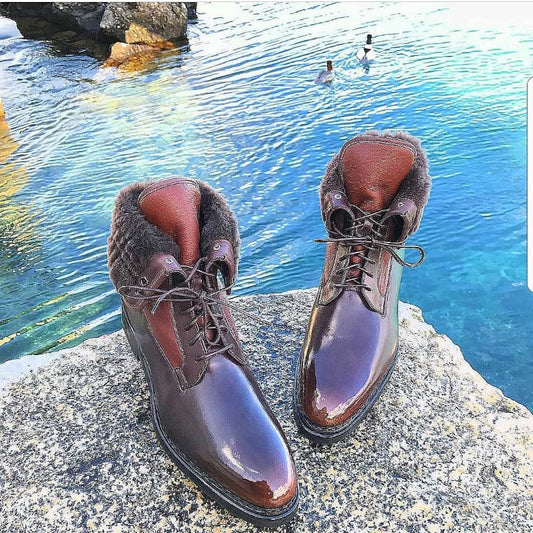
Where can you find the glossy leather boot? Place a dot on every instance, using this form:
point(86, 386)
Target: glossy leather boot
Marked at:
point(173, 255)
point(372, 199)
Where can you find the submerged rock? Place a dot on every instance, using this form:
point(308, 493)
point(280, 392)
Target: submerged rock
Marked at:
point(135, 56)
point(7, 146)
point(65, 36)
point(442, 450)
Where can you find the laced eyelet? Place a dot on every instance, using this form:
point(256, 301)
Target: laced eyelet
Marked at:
point(143, 281)
point(375, 240)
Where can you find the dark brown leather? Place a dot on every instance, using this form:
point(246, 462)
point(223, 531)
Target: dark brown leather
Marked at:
point(221, 423)
point(352, 337)
point(156, 272)
point(347, 351)
point(404, 210)
point(221, 258)
point(173, 206)
point(208, 407)
point(336, 209)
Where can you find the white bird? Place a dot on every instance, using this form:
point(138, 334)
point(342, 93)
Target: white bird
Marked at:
point(326, 76)
point(366, 54)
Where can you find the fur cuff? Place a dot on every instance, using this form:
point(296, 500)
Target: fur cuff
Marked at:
point(134, 241)
point(415, 186)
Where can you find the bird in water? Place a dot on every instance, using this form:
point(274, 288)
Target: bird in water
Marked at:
point(366, 54)
point(326, 76)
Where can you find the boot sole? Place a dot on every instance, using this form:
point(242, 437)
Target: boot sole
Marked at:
point(258, 516)
point(332, 434)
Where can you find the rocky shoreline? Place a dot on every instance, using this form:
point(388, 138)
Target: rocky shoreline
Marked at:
point(121, 33)
point(441, 451)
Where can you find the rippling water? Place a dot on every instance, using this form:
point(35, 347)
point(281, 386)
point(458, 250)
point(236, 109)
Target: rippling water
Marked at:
point(239, 109)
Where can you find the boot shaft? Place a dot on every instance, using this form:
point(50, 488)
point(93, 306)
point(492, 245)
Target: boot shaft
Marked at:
point(169, 242)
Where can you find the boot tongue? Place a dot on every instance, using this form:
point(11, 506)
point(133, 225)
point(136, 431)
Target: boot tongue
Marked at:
point(373, 170)
point(173, 206)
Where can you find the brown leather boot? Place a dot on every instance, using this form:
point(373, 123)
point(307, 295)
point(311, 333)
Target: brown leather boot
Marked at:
point(173, 255)
point(372, 199)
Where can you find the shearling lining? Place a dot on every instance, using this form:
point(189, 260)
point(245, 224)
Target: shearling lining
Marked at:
point(133, 240)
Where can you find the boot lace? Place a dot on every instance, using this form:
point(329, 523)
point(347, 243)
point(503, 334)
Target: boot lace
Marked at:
point(359, 245)
point(204, 306)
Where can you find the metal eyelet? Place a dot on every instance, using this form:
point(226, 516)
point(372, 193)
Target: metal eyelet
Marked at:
point(137, 292)
point(168, 260)
point(216, 246)
point(338, 196)
point(143, 281)
point(400, 204)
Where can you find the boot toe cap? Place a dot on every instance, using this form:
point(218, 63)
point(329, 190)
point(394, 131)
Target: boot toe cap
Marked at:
point(266, 478)
point(329, 408)
point(331, 398)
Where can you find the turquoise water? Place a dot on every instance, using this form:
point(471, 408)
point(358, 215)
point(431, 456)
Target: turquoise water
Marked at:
point(239, 109)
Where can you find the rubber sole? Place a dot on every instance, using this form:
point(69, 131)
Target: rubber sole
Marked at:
point(258, 516)
point(332, 434)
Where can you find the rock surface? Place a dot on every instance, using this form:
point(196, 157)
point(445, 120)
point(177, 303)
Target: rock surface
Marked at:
point(7, 146)
point(441, 451)
point(91, 26)
point(75, 16)
point(191, 10)
point(162, 21)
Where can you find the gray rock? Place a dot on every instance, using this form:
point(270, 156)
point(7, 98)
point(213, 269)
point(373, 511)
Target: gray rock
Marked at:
point(168, 20)
point(441, 451)
point(65, 36)
point(30, 9)
point(76, 16)
point(101, 22)
point(191, 10)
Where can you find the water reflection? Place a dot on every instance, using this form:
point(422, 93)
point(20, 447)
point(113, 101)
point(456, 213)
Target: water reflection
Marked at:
point(19, 238)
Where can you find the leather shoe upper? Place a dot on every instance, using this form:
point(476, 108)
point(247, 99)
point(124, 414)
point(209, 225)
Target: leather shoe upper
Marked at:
point(174, 283)
point(372, 199)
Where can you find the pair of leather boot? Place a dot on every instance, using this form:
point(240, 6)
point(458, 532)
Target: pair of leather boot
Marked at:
point(173, 256)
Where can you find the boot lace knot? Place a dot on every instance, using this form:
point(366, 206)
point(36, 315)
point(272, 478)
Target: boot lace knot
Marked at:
point(204, 309)
point(366, 233)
